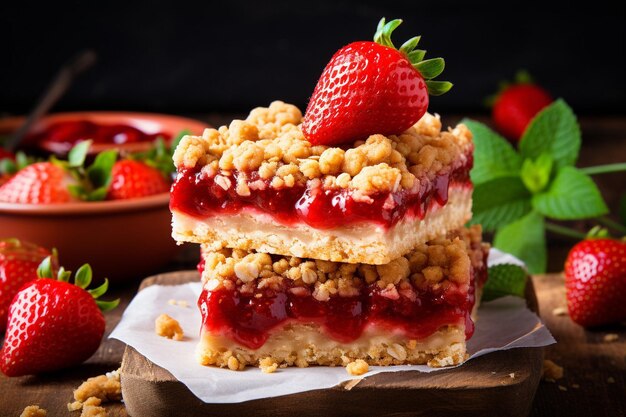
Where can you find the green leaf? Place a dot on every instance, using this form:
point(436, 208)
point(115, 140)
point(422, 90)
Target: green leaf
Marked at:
point(416, 56)
point(83, 276)
point(98, 194)
point(105, 306)
point(554, 131)
point(7, 166)
point(22, 160)
point(97, 292)
point(437, 88)
point(499, 202)
point(78, 153)
point(64, 275)
point(536, 174)
point(409, 45)
point(572, 195)
point(505, 279)
point(525, 239)
point(494, 157)
point(77, 191)
point(99, 173)
point(44, 270)
point(430, 68)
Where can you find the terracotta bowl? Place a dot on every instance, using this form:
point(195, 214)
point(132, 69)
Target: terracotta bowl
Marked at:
point(122, 240)
point(146, 122)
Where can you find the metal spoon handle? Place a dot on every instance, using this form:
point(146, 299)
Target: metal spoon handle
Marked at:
point(53, 93)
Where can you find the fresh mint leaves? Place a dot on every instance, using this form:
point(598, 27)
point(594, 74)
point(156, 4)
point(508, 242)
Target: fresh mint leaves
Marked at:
point(504, 279)
point(553, 131)
point(515, 192)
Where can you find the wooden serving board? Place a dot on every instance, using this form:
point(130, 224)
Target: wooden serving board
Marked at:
point(481, 387)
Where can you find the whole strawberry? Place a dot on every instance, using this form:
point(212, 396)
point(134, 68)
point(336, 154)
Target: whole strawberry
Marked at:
point(134, 179)
point(371, 87)
point(53, 324)
point(517, 105)
point(18, 265)
point(595, 280)
point(39, 183)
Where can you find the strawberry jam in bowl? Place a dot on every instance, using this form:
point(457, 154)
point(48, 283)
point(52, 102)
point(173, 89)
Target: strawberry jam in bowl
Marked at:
point(132, 132)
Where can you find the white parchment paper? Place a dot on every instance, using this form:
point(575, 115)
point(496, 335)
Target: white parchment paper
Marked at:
point(503, 324)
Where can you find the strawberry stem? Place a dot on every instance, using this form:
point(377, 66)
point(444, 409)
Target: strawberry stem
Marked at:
point(604, 169)
point(611, 224)
point(105, 306)
point(564, 231)
point(428, 69)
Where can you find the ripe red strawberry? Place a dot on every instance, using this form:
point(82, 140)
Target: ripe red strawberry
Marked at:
point(53, 324)
point(18, 265)
point(595, 280)
point(516, 106)
point(133, 179)
point(39, 183)
point(371, 87)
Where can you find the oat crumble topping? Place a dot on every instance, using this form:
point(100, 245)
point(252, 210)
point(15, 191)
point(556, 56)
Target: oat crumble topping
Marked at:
point(271, 142)
point(168, 327)
point(358, 367)
point(93, 392)
point(34, 411)
point(437, 265)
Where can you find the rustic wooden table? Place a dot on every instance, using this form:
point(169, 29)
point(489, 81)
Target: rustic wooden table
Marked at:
point(594, 383)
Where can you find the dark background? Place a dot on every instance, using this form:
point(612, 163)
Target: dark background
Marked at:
point(200, 57)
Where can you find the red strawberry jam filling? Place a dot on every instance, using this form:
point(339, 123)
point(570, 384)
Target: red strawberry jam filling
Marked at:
point(199, 195)
point(249, 319)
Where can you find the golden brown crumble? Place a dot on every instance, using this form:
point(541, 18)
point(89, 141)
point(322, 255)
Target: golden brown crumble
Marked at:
point(271, 142)
point(437, 264)
point(358, 367)
point(168, 327)
point(268, 365)
point(552, 371)
point(610, 337)
point(93, 411)
point(34, 411)
point(91, 393)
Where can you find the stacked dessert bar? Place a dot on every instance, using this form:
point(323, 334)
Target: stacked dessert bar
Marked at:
point(318, 255)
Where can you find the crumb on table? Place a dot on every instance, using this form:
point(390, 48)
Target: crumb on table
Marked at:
point(168, 327)
point(610, 337)
point(96, 390)
point(358, 367)
point(34, 411)
point(552, 371)
point(93, 411)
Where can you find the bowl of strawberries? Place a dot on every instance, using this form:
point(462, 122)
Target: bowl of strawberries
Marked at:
point(110, 208)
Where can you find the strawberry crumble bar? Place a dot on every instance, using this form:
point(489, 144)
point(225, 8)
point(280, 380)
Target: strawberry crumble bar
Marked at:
point(273, 310)
point(259, 185)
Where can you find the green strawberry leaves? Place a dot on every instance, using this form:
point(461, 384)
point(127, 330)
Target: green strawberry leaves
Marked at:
point(82, 279)
point(428, 69)
point(516, 192)
point(504, 279)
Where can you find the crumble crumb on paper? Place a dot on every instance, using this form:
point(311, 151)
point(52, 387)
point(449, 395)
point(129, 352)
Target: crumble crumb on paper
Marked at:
point(562, 388)
point(610, 337)
point(34, 411)
point(179, 303)
point(358, 367)
point(560, 311)
point(96, 390)
point(168, 327)
point(552, 371)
